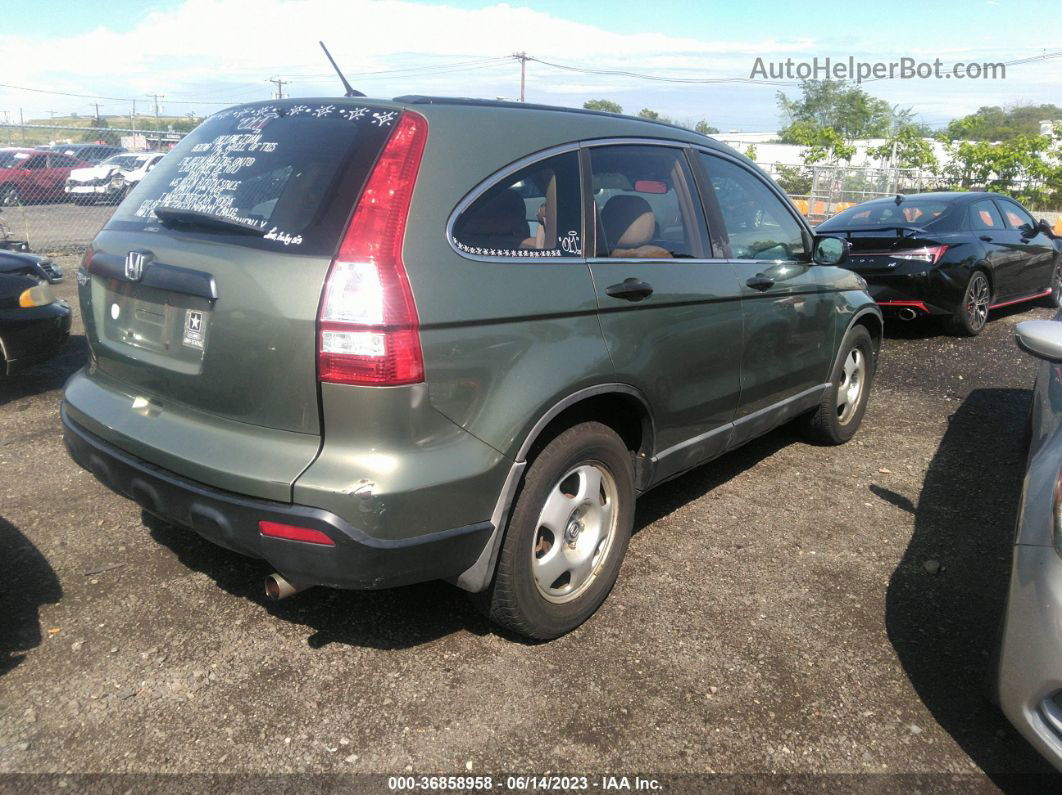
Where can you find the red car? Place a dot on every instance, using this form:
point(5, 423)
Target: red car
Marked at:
point(33, 175)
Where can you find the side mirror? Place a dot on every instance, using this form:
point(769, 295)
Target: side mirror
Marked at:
point(830, 251)
point(1044, 226)
point(1041, 338)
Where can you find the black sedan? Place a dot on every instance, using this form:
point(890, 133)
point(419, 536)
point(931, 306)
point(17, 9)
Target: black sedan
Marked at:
point(952, 255)
point(33, 322)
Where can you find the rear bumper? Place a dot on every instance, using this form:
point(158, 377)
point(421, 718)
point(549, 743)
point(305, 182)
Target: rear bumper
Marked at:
point(357, 561)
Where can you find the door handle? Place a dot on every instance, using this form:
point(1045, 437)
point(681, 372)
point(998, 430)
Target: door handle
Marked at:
point(760, 282)
point(630, 290)
point(987, 238)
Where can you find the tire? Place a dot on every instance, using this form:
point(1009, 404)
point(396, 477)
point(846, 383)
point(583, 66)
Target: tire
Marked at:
point(1054, 300)
point(9, 196)
point(564, 546)
point(971, 314)
point(841, 411)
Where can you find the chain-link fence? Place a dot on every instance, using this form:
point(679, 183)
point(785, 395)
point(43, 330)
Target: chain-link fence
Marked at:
point(822, 191)
point(59, 183)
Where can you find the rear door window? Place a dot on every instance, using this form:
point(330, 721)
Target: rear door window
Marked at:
point(289, 170)
point(644, 203)
point(984, 215)
point(534, 212)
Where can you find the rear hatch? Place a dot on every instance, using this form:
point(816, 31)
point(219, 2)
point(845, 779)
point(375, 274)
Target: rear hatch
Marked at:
point(201, 294)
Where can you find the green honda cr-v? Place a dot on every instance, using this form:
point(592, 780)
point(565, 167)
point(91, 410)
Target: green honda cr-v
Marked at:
point(382, 342)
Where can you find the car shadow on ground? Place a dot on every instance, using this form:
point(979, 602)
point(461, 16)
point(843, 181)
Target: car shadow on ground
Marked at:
point(48, 375)
point(944, 625)
point(398, 618)
point(27, 581)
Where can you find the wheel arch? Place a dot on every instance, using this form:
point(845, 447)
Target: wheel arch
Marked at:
point(622, 407)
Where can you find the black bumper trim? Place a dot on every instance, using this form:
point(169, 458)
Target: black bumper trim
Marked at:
point(358, 560)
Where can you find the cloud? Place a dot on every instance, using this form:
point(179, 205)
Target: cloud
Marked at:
point(224, 52)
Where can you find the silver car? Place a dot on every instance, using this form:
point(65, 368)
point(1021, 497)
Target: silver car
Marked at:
point(1029, 685)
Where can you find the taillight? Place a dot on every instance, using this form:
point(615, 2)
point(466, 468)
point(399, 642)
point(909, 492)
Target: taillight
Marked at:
point(930, 254)
point(367, 330)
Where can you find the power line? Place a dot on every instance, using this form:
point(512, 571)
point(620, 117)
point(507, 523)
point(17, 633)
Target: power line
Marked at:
point(280, 86)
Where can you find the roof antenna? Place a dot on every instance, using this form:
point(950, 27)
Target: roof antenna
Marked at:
point(351, 92)
point(898, 200)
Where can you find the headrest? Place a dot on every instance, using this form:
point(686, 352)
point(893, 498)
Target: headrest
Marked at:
point(503, 214)
point(628, 221)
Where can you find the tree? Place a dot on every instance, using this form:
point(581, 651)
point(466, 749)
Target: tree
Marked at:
point(993, 123)
point(1027, 167)
point(104, 136)
point(704, 128)
point(910, 147)
point(794, 180)
point(652, 115)
point(849, 110)
point(821, 143)
point(750, 151)
point(603, 104)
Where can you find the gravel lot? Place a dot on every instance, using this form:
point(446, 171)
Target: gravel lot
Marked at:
point(774, 615)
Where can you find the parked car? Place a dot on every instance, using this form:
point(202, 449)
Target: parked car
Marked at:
point(33, 322)
point(33, 175)
point(1029, 668)
point(382, 342)
point(952, 255)
point(87, 153)
point(111, 179)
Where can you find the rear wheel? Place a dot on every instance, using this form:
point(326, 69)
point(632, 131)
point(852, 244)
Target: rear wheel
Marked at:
point(567, 536)
point(843, 404)
point(972, 314)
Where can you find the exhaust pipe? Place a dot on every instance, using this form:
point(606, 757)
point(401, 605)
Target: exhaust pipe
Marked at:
point(277, 587)
point(907, 313)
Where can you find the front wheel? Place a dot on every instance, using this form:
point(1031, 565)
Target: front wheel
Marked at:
point(843, 404)
point(9, 196)
point(972, 314)
point(567, 536)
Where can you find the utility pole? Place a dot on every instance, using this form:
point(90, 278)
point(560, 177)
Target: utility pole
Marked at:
point(158, 124)
point(22, 124)
point(280, 86)
point(523, 58)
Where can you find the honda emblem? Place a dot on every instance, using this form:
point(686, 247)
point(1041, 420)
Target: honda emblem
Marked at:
point(134, 265)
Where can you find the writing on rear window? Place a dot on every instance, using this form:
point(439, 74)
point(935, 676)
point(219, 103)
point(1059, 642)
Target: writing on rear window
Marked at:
point(207, 181)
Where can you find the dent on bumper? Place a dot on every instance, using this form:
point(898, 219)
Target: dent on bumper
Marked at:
point(1030, 662)
point(357, 560)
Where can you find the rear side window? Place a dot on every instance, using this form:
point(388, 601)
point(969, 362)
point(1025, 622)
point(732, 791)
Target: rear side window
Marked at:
point(644, 203)
point(984, 215)
point(535, 212)
point(758, 223)
point(290, 170)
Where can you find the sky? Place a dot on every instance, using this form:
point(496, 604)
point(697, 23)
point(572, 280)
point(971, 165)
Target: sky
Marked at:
point(203, 55)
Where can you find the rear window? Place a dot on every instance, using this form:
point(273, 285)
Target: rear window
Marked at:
point(291, 170)
point(906, 213)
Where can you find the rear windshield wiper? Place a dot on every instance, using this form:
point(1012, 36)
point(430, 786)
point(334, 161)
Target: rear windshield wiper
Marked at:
point(174, 216)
